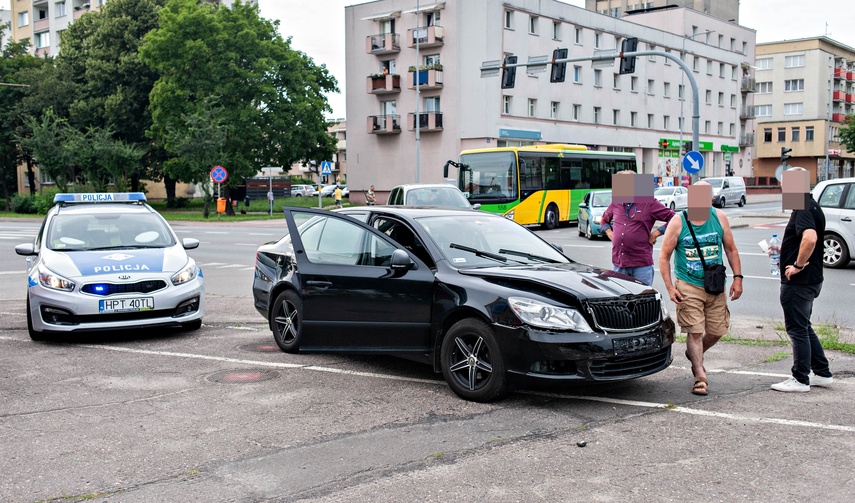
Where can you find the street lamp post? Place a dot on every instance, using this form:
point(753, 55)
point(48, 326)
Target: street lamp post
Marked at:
point(683, 97)
point(418, 92)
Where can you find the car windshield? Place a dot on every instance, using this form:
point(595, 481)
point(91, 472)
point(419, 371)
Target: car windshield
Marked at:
point(667, 191)
point(449, 197)
point(601, 199)
point(478, 241)
point(715, 182)
point(78, 232)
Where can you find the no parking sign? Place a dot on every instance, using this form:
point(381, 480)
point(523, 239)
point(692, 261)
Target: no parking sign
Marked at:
point(219, 174)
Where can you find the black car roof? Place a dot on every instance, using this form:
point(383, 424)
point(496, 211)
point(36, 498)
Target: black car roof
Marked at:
point(417, 211)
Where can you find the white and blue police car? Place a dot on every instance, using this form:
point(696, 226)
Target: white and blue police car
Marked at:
point(108, 261)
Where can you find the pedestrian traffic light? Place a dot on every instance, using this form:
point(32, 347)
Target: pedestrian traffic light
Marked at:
point(627, 64)
point(785, 154)
point(559, 70)
point(663, 144)
point(509, 75)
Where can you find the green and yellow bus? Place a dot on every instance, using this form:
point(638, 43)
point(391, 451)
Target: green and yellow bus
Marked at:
point(537, 184)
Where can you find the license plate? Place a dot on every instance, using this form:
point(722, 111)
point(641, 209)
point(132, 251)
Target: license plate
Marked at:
point(125, 305)
point(639, 344)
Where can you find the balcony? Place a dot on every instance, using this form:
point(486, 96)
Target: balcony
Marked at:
point(41, 25)
point(428, 77)
point(384, 43)
point(384, 124)
point(383, 84)
point(839, 96)
point(43, 51)
point(748, 84)
point(427, 36)
point(746, 113)
point(850, 76)
point(839, 73)
point(428, 121)
point(838, 117)
point(79, 11)
point(746, 140)
point(850, 98)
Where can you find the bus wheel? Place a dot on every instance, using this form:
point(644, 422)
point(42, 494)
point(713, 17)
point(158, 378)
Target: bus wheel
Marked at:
point(550, 219)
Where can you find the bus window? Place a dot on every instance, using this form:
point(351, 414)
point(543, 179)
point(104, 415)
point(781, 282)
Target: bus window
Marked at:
point(552, 173)
point(531, 173)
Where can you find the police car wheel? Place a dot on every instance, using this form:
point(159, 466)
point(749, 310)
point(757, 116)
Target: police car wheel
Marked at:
point(36, 336)
point(192, 325)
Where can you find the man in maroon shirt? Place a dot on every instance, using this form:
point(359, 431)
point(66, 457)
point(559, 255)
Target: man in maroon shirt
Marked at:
point(629, 221)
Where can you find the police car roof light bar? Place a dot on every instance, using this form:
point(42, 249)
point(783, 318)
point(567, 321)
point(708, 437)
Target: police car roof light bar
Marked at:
point(100, 197)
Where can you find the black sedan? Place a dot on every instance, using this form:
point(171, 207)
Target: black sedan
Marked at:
point(481, 298)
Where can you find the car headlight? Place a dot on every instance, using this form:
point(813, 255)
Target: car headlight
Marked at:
point(510, 215)
point(189, 273)
point(598, 219)
point(663, 307)
point(541, 314)
point(54, 281)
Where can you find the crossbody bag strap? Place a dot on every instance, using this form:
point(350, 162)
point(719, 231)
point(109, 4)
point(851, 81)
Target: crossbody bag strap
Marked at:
point(697, 246)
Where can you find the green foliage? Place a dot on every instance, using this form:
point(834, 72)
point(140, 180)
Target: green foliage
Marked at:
point(847, 133)
point(29, 204)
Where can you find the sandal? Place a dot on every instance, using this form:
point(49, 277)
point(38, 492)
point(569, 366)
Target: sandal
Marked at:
point(700, 386)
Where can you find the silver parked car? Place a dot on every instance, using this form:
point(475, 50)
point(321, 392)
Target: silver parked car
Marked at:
point(428, 194)
point(301, 190)
point(837, 200)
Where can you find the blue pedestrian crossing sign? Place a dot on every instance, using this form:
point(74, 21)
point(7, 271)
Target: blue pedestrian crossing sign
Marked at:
point(326, 168)
point(693, 161)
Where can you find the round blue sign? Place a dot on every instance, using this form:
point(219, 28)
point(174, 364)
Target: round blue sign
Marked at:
point(219, 174)
point(693, 161)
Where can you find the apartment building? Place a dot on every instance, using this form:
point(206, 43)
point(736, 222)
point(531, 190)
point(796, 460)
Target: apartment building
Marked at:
point(722, 9)
point(595, 106)
point(804, 90)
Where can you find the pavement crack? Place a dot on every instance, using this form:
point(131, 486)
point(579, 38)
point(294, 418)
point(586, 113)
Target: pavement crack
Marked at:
point(97, 406)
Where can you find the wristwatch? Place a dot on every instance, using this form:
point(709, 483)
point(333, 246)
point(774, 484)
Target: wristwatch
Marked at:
point(738, 276)
point(799, 267)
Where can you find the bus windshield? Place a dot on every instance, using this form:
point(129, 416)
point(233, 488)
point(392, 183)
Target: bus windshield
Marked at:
point(489, 175)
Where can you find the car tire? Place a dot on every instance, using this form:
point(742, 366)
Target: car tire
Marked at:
point(588, 233)
point(835, 252)
point(741, 202)
point(286, 321)
point(722, 202)
point(550, 218)
point(36, 336)
point(298, 195)
point(672, 206)
point(192, 325)
point(472, 363)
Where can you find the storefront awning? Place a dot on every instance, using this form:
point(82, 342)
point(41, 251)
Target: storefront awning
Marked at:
point(385, 15)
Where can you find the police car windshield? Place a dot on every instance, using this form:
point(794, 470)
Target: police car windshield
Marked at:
point(87, 231)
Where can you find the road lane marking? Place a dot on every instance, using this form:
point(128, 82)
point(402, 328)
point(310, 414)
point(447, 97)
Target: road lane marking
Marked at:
point(247, 244)
point(13, 272)
point(230, 266)
point(210, 264)
point(216, 232)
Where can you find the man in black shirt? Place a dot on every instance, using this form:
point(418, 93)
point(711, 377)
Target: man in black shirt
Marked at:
point(801, 282)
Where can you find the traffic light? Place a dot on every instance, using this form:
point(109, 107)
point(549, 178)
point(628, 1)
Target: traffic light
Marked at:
point(663, 144)
point(509, 75)
point(559, 70)
point(785, 154)
point(627, 64)
point(687, 147)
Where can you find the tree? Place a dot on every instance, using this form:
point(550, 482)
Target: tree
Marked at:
point(268, 98)
point(847, 133)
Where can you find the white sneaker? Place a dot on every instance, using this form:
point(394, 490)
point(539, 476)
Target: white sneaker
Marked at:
point(791, 385)
point(816, 380)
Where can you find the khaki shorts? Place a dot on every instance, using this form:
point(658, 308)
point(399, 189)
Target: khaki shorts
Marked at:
point(701, 312)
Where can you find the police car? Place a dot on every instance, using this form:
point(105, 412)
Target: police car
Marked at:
point(108, 261)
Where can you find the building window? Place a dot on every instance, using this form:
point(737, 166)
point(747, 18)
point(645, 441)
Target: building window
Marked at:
point(633, 84)
point(709, 67)
point(553, 110)
point(532, 25)
point(681, 89)
point(577, 112)
point(721, 99)
point(60, 9)
point(721, 70)
point(808, 133)
point(695, 63)
point(733, 44)
point(509, 20)
point(651, 58)
point(794, 85)
point(782, 134)
point(649, 121)
point(707, 126)
point(680, 123)
point(23, 19)
point(720, 40)
point(763, 110)
point(793, 108)
point(598, 77)
point(650, 87)
point(767, 135)
point(794, 61)
point(633, 119)
point(667, 60)
point(616, 81)
point(616, 117)
point(578, 38)
point(764, 64)
point(431, 104)
point(42, 40)
point(597, 38)
point(666, 122)
point(763, 88)
point(733, 72)
point(532, 107)
point(577, 74)
point(719, 128)
point(795, 133)
point(506, 105)
point(596, 115)
point(708, 97)
point(556, 30)
point(666, 89)
point(732, 129)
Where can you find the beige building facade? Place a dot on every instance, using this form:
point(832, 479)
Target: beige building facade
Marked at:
point(804, 90)
point(595, 106)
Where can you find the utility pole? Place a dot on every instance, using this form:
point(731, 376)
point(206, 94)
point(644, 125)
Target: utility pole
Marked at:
point(418, 74)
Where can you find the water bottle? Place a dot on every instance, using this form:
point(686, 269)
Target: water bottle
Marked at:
point(775, 255)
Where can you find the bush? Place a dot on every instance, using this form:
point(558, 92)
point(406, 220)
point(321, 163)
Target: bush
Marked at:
point(33, 204)
point(23, 204)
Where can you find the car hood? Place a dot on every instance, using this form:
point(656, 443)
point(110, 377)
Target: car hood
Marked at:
point(583, 281)
point(101, 262)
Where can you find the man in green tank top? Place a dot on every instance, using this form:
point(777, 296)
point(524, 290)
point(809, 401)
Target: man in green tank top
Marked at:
point(703, 317)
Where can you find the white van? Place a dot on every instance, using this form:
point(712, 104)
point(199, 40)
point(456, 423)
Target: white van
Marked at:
point(727, 190)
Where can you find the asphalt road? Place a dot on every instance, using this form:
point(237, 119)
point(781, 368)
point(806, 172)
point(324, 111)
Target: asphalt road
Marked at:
point(220, 414)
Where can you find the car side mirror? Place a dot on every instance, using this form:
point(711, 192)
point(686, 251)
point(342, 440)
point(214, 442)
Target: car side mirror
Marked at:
point(557, 247)
point(26, 249)
point(401, 260)
point(583, 205)
point(190, 243)
point(476, 206)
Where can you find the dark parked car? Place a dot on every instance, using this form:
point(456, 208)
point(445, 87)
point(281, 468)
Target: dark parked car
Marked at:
point(481, 298)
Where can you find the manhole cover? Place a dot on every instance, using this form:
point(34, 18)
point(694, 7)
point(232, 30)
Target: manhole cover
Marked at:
point(260, 348)
point(242, 376)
